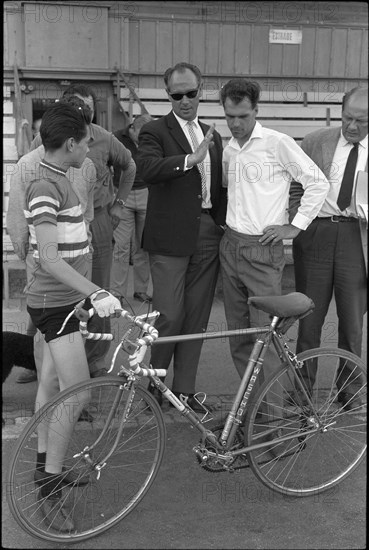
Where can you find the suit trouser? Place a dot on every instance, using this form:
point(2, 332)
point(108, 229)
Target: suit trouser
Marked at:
point(102, 242)
point(183, 292)
point(250, 269)
point(328, 258)
point(131, 225)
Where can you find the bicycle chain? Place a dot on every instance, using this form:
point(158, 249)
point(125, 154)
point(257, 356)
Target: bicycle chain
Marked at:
point(215, 465)
point(220, 464)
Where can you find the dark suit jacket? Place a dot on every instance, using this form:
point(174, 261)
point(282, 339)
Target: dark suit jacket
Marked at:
point(320, 147)
point(174, 203)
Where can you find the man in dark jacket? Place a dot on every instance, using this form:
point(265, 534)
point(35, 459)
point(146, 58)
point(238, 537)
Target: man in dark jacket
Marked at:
point(181, 160)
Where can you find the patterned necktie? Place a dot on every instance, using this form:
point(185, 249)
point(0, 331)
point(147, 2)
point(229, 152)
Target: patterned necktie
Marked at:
point(200, 165)
point(344, 197)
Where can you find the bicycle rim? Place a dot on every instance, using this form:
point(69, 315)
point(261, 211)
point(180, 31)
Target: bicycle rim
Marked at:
point(123, 481)
point(324, 440)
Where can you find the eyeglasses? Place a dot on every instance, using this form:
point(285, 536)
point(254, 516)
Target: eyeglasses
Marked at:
point(191, 95)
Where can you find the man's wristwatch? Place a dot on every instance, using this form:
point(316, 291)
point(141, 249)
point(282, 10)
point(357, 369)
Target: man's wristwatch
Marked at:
point(121, 202)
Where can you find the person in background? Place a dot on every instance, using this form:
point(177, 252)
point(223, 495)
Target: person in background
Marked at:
point(36, 126)
point(259, 165)
point(130, 228)
point(106, 152)
point(328, 256)
point(179, 157)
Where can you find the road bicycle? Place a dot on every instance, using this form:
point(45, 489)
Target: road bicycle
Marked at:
point(301, 443)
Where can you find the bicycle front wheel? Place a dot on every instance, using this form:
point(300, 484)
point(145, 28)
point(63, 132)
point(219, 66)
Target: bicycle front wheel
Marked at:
point(309, 442)
point(107, 493)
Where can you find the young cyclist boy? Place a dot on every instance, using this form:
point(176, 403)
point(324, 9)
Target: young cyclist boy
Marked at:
point(58, 282)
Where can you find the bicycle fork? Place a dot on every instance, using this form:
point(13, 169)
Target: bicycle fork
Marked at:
point(86, 453)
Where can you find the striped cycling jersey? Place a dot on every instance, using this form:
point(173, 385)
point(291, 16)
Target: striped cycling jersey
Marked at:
point(51, 198)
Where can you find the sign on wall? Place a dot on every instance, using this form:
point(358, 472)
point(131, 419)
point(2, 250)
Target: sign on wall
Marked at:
point(285, 36)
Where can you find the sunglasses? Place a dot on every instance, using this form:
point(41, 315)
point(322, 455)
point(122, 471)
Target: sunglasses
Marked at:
point(191, 95)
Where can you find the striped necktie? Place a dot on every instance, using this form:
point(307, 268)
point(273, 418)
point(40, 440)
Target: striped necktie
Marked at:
point(200, 165)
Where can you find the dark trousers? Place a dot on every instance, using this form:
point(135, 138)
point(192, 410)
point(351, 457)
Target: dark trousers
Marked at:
point(183, 292)
point(102, 242)
point(328, 258)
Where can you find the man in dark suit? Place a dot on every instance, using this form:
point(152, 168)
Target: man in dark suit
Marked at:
point(329, 256)
point(181, 160)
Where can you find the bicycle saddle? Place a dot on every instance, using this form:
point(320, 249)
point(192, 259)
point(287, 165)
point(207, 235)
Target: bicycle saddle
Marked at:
point(289, 305)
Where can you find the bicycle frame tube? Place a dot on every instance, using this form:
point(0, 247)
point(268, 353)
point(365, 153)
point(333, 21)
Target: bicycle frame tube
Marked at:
point(291, 359)
point(190, 415)
point(238, 410)
point(210, 335)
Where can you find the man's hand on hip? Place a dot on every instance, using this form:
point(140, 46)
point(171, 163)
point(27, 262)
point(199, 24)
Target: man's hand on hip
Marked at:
point(272, 234)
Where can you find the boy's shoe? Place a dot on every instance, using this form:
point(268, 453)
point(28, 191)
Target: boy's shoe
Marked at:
point(99, 373)
point(349, 402)
point(70, 478)
point(55, 514)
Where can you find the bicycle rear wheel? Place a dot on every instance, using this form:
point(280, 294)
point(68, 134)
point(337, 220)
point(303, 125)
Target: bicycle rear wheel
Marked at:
point(124, 480)
point(325, 440)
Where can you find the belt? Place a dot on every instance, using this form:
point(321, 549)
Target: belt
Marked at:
point(337, 219)
point(205, 210)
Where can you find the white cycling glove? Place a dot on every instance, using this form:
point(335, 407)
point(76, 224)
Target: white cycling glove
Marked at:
point(104, 303)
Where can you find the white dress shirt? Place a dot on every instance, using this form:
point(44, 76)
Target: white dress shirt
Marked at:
point(200, 136)
point(339, 161)
point(258, 176)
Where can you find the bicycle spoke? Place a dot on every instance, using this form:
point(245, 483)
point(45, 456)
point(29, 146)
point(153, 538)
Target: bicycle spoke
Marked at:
point(329, 428)
point(109, 494)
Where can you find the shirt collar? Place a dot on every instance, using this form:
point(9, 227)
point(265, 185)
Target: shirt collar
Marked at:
point(92, 130)
point(52, 167)
point(363, 142)
point(183, 122)
point(256, 133)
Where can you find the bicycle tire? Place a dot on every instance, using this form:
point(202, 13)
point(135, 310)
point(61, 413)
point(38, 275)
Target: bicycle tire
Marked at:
point(123, 482)
point(319, 455)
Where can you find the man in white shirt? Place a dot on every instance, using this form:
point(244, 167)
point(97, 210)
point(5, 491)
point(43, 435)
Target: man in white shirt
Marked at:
point(329, 256)
point(259, 165)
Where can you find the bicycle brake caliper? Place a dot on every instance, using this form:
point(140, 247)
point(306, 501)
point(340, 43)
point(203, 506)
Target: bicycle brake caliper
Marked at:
point(293, 357)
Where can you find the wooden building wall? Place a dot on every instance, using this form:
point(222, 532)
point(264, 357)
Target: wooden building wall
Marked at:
point(58, 42)
point(225, 39)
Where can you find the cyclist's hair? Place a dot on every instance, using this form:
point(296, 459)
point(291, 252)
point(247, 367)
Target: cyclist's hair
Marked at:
point(81, 89)
point(181, 68)
point(60, 122)
point(78, 104)
point(359, 90)
point(237, 89)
